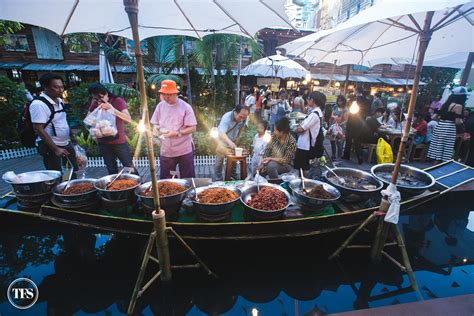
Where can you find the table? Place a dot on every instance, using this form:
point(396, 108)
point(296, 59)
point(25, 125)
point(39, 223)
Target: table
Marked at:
point(395, 136)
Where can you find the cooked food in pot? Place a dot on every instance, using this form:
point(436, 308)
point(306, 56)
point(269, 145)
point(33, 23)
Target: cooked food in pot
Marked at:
point(353, 183)
point(79, 188)
point(122, 184)
point(405, 180)
point(268, 199)
point(166, 188)
point(217, 196)
point(318, 192)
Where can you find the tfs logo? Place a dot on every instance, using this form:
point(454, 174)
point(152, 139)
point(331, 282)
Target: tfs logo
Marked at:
point(22, 293)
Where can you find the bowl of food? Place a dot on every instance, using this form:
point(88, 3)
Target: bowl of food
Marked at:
point(79, 191)
point(354, 185)
point(121, 189)
point(34, 182)
point(172, 192)
point(269, 202)
point(411, 181)
point(215, 200)
point(315, 194)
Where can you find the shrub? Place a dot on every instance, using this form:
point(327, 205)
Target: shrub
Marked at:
point(12, 100)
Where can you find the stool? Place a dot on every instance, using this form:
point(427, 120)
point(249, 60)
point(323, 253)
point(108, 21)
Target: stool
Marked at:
point(422, 150)
point(371, 148)
point(231, 159)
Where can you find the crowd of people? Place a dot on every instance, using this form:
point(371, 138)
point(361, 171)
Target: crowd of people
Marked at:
point(174, 122)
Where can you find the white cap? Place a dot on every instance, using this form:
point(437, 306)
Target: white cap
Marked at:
point(459, 90)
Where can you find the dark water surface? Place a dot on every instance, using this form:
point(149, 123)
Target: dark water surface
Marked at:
point(86, 273)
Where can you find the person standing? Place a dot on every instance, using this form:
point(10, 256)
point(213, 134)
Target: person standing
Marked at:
point(355, 125)
point(114, 147)
point(308, 130)
point(337, 130)
point(230, 128)
point(279, 108)
point(174, 121)
point(444, 135)
point(49, 122)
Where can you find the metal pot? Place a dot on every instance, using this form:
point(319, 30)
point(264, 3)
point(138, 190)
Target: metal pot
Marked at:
point(405, 170)
point(295, 186)
point(36, 188)
point(80, 198)
point(127, 194)
point(354, 195)
point(215, 208)
point(262, 214)
point(165, 201)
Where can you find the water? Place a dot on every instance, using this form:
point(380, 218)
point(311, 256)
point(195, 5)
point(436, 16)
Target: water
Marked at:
point(86, 273)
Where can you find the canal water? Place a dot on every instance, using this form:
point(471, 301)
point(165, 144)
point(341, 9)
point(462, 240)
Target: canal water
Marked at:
point(89, 273)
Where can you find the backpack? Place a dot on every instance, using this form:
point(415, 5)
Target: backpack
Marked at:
point(317, 151)
point(25, 126)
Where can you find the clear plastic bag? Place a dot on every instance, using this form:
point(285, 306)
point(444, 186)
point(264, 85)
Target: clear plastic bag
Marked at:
point(81, 157)
point(102, 123)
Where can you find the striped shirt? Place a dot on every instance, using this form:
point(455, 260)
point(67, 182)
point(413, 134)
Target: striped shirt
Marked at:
point(283, 151)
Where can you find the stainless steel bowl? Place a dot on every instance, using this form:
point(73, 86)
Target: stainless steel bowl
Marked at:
point(215, 208)
point(36, 187)
point(295, 186)
point(127, 194)
point(405, 170)
point(262, 214)
point(354, 195)
point(75, 198)
point(165, 201)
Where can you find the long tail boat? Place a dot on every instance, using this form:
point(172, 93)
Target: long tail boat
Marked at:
point(450, 176)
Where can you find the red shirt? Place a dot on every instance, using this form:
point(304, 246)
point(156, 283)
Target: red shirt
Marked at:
point(420, 128)
point(119, 104)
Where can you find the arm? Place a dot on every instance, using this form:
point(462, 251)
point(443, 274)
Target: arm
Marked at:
point(124, 114)
point(288, 154)
point(458, 111)
point(226, 140)
point(58, 151)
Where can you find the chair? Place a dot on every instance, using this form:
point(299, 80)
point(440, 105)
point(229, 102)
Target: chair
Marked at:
point(371, 151)
point(419, 152)
point(231, 160)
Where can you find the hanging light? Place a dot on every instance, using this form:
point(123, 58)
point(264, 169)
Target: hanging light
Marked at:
point(308, 77)
point(214, 133)
point(316, 83)
point(350, 87)
point(267, 137)
point(354, 108)
point(153, 86)
point(141, 128)
point(254, 312)
point(337, 84)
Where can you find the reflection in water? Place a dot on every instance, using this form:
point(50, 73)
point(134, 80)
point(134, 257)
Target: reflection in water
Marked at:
point(79, 271)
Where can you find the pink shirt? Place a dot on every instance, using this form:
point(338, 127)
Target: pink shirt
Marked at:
point(174, 118)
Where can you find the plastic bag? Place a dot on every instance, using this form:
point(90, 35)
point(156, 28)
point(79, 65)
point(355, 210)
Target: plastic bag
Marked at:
point(81, 157)
point(102, 123)
point(383, 152)
point(393, 196)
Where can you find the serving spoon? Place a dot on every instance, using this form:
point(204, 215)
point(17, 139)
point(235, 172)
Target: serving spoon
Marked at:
point(71, 170)
point(195, 192)
point(116, 177)
point(341, 180)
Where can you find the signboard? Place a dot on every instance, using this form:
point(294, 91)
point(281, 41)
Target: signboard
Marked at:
point(268, 81)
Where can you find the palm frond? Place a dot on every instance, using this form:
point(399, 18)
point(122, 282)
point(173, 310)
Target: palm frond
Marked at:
point(121, 90)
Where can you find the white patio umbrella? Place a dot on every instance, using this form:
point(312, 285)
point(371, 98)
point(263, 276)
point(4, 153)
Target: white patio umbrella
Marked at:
point(105, 71)
point(391, 29)
point(275, 66)
point(194, 18)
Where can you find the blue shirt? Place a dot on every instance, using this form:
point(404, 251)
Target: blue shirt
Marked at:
point(230, 126)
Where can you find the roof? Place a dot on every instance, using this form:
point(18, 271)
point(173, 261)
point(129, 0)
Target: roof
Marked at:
point(398, 82)
point(12, 65)
point(60, 67)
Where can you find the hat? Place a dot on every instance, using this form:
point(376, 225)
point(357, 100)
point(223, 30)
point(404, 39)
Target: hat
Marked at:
point(460, 90)
point(168, 87)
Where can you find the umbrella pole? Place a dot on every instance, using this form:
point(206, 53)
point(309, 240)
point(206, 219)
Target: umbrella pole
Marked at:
point(467, 69)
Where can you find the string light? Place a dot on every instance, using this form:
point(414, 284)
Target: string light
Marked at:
point(141, 127)
point(354, 108)
point(214, 132)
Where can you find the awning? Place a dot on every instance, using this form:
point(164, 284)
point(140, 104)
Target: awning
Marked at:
point(60, 67)
point(398, 82)
point(328, 77)
point(12, 65)
point(369, 79)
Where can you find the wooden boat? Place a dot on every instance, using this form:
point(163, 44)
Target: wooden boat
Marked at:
point(451, 176)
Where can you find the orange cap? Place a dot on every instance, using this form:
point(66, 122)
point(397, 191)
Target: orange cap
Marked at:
point(168, 87)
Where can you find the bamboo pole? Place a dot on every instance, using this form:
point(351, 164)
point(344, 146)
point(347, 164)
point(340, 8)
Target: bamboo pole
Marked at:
point(425, 38)
point(381, 233)
point(131, 7)
point(162, 247)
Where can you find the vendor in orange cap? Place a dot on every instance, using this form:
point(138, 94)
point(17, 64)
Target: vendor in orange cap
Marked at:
point(174, 122)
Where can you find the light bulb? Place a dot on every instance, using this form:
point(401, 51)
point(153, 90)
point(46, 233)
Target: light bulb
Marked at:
point(337, 84)
point(354, 108)
point(153, 86)
point(214, 132)
point(141, 127)
point(254, 312)
point(316, 82)
point(267, 137)
point(308, 77)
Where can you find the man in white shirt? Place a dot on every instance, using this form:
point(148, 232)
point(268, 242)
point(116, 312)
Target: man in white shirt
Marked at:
point(250, 101)
point(52, 127)
point(311, 124)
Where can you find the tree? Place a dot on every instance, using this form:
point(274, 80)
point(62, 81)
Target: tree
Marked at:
point(8, 27)
point(12, 100)
point(437, 78)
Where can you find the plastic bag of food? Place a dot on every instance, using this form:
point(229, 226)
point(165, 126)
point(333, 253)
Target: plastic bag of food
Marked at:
point(81, 157)
point(91, 118)
point(105, 124)
point(383, 152)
